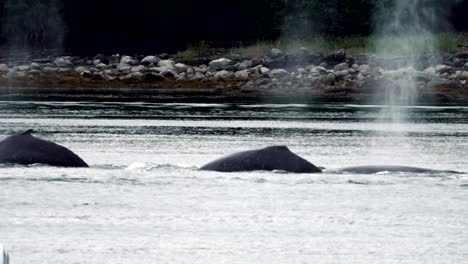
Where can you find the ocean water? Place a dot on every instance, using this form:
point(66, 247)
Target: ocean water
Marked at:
point(144, 201)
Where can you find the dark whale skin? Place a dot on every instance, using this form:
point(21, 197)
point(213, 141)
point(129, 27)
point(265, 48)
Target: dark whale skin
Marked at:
point(372, 169)
point(24, 149)
point(266, 159)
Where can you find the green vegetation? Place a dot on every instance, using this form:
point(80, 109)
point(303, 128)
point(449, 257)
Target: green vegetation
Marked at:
point(444, 42)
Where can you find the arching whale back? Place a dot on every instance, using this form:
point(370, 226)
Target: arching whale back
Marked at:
point(269, 159)
point(22, 148)
point(372, 169)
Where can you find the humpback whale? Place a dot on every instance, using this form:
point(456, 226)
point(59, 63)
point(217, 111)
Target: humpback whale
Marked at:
point(24, 149)
point(269, 158)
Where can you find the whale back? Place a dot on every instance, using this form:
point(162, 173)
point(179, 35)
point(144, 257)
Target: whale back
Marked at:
point(25, 149)
point(372, 169)
point(268, 159)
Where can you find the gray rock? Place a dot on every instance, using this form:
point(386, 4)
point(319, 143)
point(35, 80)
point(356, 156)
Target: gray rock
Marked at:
point(4, 68)
point(224, 75)
point(219, 64)
point(341, 74)
point(168, 64)
point(245, 65)
point(430, 70)
point(96, 62)
point(157, 69)
point(64, 70)
point(136, 74)
point(23, 68)
point(128, 60)
point(264, 71)
point(180, 67)
point(62, 62)
point(278, 73)
point(150, 60)
point(34, 66)
point(275, 53)
point(139, 68)
point(466, 66)
point(49, 69)
point(101, 66)
point(182, 77)
point(81, 69)
point(244, 74)
point(464, 75)
point(169, 73)
point(341, 67)
point(364, 69)
point(123, 67)
point(198, 76)
point(34, 72)
point(442, 69)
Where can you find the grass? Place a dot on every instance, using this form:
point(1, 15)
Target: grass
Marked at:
point(446, 42)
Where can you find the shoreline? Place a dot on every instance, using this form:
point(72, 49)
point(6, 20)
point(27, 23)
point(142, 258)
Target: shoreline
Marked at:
point(300, 76)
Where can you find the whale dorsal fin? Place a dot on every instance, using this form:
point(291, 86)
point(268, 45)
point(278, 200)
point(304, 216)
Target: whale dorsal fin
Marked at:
point(279, 147)
point(26, 133)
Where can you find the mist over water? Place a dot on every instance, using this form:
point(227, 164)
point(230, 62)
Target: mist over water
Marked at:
point(404, 40)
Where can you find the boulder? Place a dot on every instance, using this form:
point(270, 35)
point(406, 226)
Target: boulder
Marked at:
point(463, 75)
point(342, 74)
point(62, 62)
point(81, 69)
point(278, 73)
point(138, 68)
point(102, 58)
point(123, 67)
point(430, 70)
point(244, 74)
point(101, 66)
point(49, 69)
point(167, 64)
point(23, 68)
point(150, 60)
point(198, 76)
point(128, 60)
point(442, 69)
point(341, 67)
point(224, 75)
point(264, 70)
point(180, 67)
point(275, 53)
point(34, 72)
point(182, 76)
point(220, 64)
point(245, 65)
point(34, 66)
point(4, 68)
point(168, 73)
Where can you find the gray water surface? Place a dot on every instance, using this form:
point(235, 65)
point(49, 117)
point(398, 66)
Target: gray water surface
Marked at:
point(144, 201)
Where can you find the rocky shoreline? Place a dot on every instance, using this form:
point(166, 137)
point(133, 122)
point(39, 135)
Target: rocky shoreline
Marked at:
point(302, 74)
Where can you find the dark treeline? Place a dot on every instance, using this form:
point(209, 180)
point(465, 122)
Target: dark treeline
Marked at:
point(139, 25)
